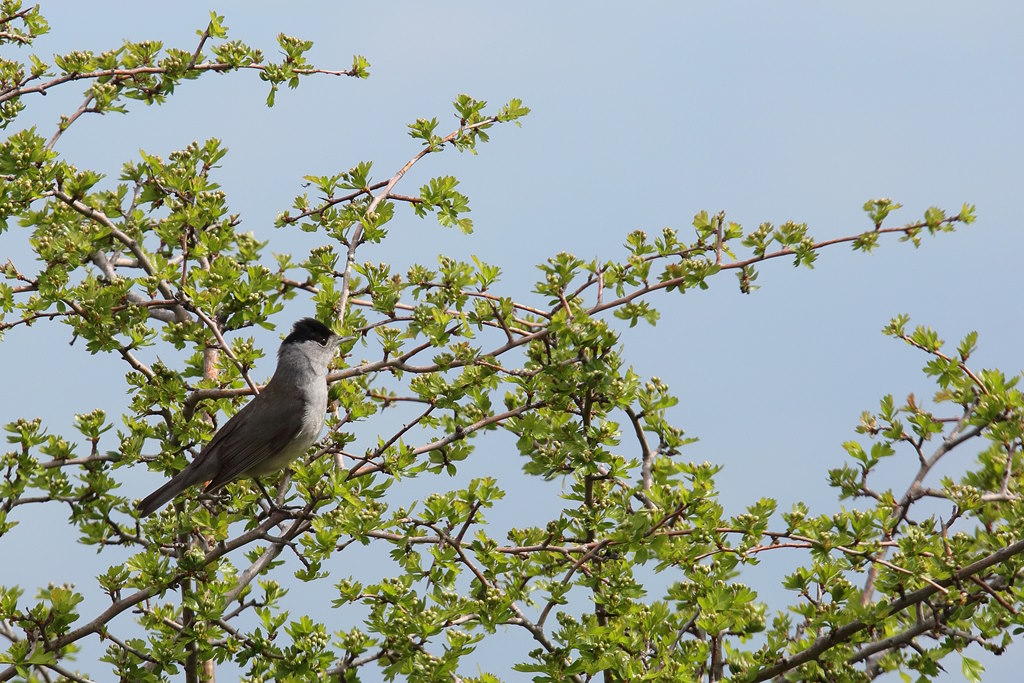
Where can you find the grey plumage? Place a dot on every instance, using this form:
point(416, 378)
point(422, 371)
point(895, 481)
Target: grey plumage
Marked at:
point(271, 430)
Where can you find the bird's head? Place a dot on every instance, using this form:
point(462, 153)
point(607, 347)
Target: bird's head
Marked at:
point(312, 340)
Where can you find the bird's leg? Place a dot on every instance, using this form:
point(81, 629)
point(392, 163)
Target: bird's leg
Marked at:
point(282, 487)
point(270, 499)
point(277, 504)
point(212, 499)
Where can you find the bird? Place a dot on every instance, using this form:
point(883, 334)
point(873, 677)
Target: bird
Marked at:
point(272, 429)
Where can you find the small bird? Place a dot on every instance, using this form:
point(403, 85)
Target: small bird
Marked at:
point(274, 428)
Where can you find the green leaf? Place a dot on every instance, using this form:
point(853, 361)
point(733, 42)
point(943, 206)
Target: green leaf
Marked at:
point(879, 209)
point(972, 669)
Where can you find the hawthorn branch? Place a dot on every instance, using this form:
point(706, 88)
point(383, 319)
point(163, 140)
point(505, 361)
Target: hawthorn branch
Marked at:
point(83, 108)
point(125, 239)
point(122, 75)
point(938, 354)
point(98, 624)
point(538, 634)
point(269, 554)
point(17, 15)
point(215, 329)
point(916, 491)
point(459, 434)
point(844, 633)
point(767, 256)
point(401, 363)
point(391, 441)
point(356, 239)
point(647, 455)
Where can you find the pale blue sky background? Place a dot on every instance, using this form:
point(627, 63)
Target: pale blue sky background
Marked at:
point(642, 115)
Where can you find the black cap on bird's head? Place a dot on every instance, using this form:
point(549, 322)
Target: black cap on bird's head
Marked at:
point(309, 329)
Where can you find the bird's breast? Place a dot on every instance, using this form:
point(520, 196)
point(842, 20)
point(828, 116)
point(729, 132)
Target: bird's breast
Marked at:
point(312, 423)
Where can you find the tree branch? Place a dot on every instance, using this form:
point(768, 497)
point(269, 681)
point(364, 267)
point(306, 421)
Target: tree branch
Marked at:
point(843, 633)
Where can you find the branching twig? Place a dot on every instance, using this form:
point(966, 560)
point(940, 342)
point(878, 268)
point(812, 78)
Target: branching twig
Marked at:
point(357, 235)
point(127, 74)
point(843, 633)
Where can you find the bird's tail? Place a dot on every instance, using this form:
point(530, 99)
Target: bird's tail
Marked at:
point(178, 483)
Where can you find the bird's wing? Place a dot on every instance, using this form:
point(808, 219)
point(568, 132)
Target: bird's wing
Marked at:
point(260, 430)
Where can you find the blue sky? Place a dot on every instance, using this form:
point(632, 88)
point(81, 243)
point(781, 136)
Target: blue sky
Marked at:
point(642, 116)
